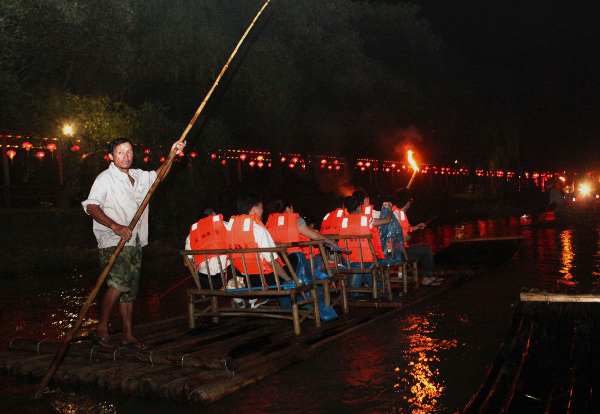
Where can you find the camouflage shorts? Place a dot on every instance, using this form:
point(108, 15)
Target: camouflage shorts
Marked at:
point(125, 273)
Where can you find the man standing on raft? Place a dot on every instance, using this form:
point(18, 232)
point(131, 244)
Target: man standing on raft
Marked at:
point(114, 199)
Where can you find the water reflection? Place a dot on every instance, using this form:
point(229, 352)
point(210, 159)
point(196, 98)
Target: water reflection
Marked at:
point(421, 383)
point(567, 258)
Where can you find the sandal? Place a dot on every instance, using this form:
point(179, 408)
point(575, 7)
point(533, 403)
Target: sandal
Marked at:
point(101, 341)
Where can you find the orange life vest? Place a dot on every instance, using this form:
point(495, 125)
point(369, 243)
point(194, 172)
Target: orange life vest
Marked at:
point(358, 224)
point(283, 227)
point(208, 233)
point(368, 210)
point(332, 222)
point(241, 236)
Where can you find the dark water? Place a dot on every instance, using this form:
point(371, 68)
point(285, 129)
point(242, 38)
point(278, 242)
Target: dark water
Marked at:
point(427, 359)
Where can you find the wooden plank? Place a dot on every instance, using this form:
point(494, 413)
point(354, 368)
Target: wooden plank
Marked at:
point(558, 297)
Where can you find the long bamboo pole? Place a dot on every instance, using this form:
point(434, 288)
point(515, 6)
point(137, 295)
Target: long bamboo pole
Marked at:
point(65, 345)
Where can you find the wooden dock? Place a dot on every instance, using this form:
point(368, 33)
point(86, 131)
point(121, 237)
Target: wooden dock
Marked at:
point(199, 365)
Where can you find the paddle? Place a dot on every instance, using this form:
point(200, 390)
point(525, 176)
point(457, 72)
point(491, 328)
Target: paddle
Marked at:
point(69, 337)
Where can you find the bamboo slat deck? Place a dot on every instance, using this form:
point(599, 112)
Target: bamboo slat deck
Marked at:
point(201, 364)
point(548, 362)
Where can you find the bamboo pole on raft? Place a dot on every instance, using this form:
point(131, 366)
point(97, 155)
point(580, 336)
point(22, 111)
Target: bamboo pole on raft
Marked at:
point(65, 345)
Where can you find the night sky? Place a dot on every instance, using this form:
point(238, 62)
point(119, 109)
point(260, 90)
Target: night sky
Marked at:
point(550, 51)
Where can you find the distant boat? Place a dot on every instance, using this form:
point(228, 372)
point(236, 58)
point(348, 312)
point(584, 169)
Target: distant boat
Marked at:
point(484, 251)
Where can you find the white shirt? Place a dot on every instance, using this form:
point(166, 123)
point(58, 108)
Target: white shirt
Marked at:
point(113, 193)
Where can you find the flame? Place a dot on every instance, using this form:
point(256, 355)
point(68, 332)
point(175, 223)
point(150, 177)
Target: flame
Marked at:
point(412, 161)
point(585, 189)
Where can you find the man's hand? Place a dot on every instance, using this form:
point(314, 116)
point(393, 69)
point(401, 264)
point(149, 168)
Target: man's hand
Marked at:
point(179, 145)
point(122, 231)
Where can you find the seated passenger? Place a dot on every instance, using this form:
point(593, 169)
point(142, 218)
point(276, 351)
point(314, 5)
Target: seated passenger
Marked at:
point(285, 226)
point(421, 252)
point(359, 223)
point(388, 226)
point(247, 231)
point(209, 233)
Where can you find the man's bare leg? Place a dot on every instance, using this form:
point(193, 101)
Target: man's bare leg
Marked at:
point(108, 302)
point(126, 309)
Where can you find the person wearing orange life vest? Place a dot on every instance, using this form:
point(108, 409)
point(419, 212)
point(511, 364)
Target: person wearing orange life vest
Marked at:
point(285, 226)
point(361, 223)
point(209, 233)
point(386, 230)
point(246, 230)
point(421, 252)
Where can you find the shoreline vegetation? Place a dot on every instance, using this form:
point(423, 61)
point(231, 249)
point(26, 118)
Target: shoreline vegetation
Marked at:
point(40, 241)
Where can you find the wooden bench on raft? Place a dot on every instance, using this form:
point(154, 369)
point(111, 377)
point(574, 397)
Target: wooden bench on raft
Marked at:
point(401, 272)
point(334, 284)
point(204, 302)
point(379, 275)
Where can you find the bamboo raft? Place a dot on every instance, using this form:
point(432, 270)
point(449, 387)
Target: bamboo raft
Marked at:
point(198, 365)
point(547, 363)
point(483, 251)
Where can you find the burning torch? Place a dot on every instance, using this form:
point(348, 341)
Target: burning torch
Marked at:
point(415, 167)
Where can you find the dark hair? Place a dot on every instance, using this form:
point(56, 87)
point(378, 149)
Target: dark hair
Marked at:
point(207, 212)
point(360, 195)
point(246, 201)
point(309, 220)
point(352, 204)
point(280, 205)
point(402, 197)
point(115, 143)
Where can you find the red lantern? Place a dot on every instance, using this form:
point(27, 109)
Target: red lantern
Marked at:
point(329, 167)
point(146, 159)
point(322, 166)
point(336, 162)
point(223, 162)
point(282, 159)
point(295, 159)
point(212, 156)
point(360, 163)
point(11, 154)
point(260, 164)
point(291, 165)
point(337, 167)
point(269, 164)
point(147, 151)
point(260, 158)
point(51, 147)
point(180, 153)
point(40, 154)
point(362, 168)
point(106, 157)
point(252, 163)
point(75, 148)
point(83, 156)
point(162, 159)
point(195, 154)
point(243, 157)
point(323, 161)
point(367, 164)
point(26, 145)
point(303, 166)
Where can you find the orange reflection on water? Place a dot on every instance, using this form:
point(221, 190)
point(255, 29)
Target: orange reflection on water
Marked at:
point(420, 380)
point(567, 256)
